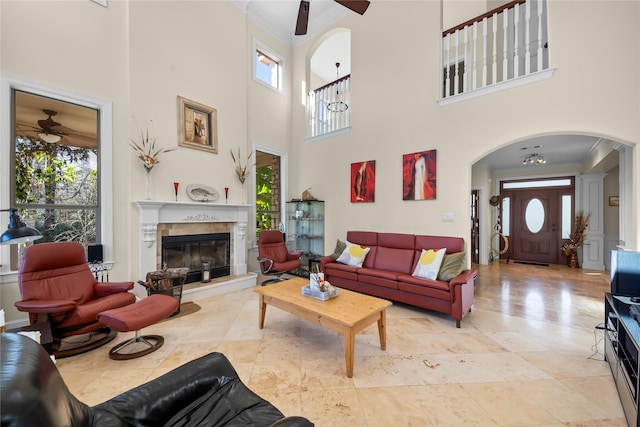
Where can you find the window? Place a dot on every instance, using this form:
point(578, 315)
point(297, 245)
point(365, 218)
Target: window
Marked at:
point(55, 168)
point(567, 215)
point(268, 204)
point(268, 67)
point(102, 111)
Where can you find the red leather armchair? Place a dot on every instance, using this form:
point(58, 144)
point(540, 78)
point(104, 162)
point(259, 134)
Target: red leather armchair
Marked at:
point(274, 257)
point(58, 287)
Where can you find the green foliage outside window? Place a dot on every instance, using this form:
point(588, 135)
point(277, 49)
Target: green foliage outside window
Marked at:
point(264, 195)
point(56, 189)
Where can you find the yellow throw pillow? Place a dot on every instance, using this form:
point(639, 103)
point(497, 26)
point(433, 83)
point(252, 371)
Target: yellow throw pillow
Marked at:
point(353, 254)
point(429, 263)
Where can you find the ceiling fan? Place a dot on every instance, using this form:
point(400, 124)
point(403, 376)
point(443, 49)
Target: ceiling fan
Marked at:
point(49, 130)
point(358, 6)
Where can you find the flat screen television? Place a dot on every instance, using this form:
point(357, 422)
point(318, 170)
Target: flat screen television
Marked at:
point(625, 273)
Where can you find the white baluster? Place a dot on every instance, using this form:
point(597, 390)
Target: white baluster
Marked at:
point(527, 37)
point(325, 112)
point(309, 114)
point(516, 57)
point(447, 80)
point(348, 97)
point(484, 52)
point(456, 66)
point(494, 62)
point(540, 43)
point(474, 83)
point(505, 47)
point(464, 64)
point(343, 98)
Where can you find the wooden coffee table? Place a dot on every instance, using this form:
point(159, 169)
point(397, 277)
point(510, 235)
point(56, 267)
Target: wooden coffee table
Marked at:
point(347, 314)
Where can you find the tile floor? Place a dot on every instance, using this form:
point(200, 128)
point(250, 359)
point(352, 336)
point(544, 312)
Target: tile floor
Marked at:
point(527, 355)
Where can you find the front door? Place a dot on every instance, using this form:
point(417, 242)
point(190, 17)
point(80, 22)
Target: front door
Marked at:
point(539, 215)
point(535, 225)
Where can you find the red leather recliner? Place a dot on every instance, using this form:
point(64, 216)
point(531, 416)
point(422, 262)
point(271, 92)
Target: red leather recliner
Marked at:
point(274, 257)
point(58, 287)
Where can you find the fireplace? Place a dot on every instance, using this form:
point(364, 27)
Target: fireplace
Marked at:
point(193, 250)
point(159, 219)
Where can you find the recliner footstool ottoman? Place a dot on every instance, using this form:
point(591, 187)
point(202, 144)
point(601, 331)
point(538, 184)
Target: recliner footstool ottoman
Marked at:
point(136, 316)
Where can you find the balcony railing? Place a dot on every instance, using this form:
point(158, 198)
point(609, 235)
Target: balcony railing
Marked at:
point(329, 107)
point(503, 44)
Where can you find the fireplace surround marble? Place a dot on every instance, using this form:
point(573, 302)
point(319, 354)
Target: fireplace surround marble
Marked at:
point(153, 213)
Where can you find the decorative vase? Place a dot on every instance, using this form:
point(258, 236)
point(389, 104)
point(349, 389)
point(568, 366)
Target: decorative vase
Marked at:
point(572, 260)
point(147, 176)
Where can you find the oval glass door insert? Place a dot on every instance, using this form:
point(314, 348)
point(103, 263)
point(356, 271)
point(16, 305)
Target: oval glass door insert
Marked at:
point(534, 215)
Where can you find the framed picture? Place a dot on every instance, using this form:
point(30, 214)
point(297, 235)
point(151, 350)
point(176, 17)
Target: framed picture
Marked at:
point(363, 182)
point(197, 126)
point(419, 175)
point(614, 200)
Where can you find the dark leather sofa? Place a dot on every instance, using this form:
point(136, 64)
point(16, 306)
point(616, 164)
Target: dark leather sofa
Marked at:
point(203, 392)
point(386, 272)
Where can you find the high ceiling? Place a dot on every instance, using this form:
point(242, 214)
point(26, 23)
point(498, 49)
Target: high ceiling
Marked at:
point(278, 17)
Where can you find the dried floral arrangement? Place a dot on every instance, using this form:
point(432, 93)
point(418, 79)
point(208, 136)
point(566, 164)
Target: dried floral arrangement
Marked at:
point(577, 235)
point(148, 153)
point(241, 170)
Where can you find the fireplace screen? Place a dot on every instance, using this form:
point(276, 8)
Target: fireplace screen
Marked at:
point(193, 250)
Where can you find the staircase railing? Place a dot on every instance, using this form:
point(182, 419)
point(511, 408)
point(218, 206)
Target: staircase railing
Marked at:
point(505, 43)
point(329, 107)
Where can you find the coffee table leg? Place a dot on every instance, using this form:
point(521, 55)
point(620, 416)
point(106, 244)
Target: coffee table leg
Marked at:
point(349, 345)
point(262, 308)
point(382, 329)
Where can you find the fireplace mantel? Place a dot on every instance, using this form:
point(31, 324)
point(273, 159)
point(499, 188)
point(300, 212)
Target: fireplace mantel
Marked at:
point(154, 212)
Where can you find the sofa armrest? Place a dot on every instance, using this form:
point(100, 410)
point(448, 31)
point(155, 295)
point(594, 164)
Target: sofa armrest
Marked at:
point(465, 277)
point(157, 401)
point(324, 260)
point(205, 391)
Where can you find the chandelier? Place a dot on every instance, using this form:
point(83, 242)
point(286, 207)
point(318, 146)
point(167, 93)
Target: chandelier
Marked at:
point(534, 159)
point(338, 105)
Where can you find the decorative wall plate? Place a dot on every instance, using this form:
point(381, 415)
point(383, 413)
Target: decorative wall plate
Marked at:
point(202, 193)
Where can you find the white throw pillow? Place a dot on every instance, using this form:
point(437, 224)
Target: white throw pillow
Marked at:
point(429, 263)
point(353, 254)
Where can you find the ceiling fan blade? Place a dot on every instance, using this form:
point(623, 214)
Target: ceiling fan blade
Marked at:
point(50, 126)
point(303, 18)
point(358, 6)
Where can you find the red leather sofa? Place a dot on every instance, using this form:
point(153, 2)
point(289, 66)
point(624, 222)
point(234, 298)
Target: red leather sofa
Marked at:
point(386, 272)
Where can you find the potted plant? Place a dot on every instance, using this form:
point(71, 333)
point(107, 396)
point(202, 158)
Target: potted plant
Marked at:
point(576, 239)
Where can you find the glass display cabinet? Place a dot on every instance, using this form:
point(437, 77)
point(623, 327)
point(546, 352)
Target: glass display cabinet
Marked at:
point(305, 228)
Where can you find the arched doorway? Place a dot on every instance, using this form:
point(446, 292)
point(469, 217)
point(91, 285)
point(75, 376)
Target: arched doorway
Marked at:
point(581, 156)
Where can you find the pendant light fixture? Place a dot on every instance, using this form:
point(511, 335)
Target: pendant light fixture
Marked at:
point(337, 105)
